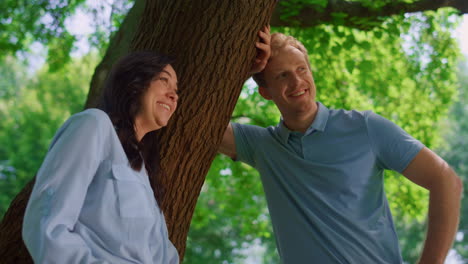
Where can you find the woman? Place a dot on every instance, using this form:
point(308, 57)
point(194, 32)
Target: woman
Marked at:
point(92, 201)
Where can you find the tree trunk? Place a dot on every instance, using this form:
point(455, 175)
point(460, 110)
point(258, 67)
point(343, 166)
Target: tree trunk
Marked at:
point(214, 43)
point(12, 248)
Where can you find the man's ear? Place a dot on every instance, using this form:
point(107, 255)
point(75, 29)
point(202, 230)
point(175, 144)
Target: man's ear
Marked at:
point(264, 92)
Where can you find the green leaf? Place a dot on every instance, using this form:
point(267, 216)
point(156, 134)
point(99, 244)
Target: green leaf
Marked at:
point(350, 65)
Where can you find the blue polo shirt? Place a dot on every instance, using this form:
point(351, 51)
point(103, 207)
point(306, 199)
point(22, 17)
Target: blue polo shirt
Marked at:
point(324, 188)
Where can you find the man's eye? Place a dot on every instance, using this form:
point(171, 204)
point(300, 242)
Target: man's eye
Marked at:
point(282, 75)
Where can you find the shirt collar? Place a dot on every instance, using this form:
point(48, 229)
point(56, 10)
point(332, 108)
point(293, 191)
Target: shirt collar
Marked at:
point(319, 123)
point(321, 119)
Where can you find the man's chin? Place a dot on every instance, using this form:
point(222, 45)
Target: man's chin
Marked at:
point(302, 107)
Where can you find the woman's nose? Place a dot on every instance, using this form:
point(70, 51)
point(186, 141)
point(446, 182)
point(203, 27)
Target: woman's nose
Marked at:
point(173, 96)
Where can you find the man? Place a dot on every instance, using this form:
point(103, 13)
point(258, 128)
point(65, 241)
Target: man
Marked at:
point(322, 170)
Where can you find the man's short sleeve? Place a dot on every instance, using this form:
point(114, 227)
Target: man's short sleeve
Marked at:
point(394, 148)
point(248, 139)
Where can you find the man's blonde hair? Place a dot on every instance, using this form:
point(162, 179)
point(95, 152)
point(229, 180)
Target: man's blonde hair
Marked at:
point(278, 42)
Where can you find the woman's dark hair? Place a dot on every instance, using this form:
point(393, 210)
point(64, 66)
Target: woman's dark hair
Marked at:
point(125, 86)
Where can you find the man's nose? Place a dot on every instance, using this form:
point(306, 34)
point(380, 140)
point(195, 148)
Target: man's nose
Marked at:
point(296, 80)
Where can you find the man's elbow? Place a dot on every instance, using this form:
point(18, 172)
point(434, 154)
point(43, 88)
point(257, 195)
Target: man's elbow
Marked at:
point(457, 183)
point(458, 186)
point(228, 152)
point(228, 146)
point(452, 181)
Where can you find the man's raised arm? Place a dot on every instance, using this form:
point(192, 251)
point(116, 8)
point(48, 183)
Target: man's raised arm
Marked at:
point(228, 146)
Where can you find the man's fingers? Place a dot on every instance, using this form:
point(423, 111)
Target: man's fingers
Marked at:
point(263, 47)
point(265, 37)
point(264, 50)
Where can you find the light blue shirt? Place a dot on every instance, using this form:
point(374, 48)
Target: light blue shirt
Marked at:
point(89, 206)
point(324, 188)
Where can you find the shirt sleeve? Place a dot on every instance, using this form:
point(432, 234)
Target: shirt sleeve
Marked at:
point(59, 192)
point(173, 256)
point(394, 148)
point(248, 140)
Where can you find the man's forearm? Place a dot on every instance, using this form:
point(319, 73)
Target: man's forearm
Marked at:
point(444, 213)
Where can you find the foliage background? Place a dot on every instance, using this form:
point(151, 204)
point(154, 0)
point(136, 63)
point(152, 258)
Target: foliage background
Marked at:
point(407, 68)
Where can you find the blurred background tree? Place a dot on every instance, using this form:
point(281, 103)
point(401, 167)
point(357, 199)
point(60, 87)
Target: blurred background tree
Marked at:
point(455, 151)
point(32, 113)
point(402, 66)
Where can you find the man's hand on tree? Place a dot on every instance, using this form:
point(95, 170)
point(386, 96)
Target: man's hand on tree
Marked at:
point(263, 50)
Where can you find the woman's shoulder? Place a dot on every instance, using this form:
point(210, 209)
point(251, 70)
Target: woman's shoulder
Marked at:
point(95, 113)
point(92, 117)
point(90, 123)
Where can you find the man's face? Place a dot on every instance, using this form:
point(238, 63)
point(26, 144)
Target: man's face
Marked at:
point(289, 82)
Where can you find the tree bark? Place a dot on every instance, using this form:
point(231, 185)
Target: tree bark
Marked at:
point(214, 43)
point(12, 248)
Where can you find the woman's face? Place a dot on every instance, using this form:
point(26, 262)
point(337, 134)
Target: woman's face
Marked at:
point(159, 102)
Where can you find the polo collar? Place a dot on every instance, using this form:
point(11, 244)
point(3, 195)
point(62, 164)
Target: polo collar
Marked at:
point(319, 123)
point(321, 119)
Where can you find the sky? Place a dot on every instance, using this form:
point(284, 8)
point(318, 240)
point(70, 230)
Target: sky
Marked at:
point(462, 35)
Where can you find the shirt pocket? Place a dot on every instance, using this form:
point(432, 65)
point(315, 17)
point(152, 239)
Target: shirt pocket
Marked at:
point(132, 197)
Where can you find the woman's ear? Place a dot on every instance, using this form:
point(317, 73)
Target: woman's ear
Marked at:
point(264, 92)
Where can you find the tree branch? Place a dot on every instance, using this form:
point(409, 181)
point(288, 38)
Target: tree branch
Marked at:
point(313, 15)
